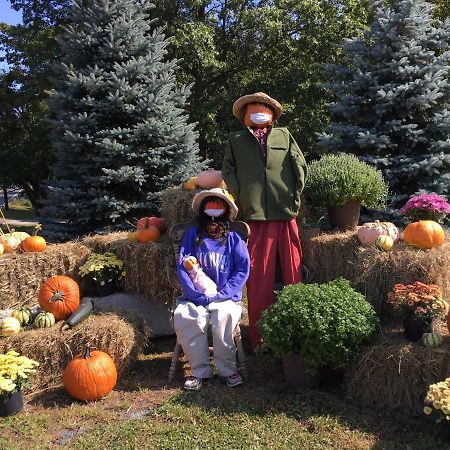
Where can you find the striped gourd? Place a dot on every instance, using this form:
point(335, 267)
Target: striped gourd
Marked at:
point(431, 340)
point(384, 243)
point(10, 326)
point(44, 320)
point(23, 315)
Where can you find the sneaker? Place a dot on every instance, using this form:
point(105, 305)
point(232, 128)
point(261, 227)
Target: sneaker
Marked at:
point(233, 380)
point(193, 384)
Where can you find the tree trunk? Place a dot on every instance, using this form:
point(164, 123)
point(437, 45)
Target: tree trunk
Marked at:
point(5, 197)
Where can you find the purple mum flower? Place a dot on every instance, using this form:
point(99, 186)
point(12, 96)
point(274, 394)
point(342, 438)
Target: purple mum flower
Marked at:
point(426, 207)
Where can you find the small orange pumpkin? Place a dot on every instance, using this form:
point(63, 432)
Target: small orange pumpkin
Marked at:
point(91, 375)
point(424, 234)
point(59, 295)
point(254, 108)
point(149, 234)
point(34, 243)
point(188, 186)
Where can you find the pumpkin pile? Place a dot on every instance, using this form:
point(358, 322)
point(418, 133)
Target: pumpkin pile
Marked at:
point(148, 229)
point(59, 299)
point(19, 240)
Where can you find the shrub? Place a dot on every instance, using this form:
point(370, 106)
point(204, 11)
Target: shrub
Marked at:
point(323, 323)
point(337, 179)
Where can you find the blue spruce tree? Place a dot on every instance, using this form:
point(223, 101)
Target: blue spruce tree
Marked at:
point(119, 126)
point(393, 99)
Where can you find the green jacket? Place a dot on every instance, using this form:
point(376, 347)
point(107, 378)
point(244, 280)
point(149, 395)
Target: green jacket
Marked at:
point(264, 192)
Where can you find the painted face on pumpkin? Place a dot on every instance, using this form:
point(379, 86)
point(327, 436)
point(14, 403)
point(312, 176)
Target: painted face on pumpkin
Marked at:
point(258, 115)
point(215, 207)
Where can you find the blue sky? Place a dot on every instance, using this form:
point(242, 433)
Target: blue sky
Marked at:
point(8, 15)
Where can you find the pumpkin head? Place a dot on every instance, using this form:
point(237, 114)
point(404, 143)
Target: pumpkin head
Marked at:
point(210, 179)
point(215, 207)
point(91, 375)
point(258, 109)
point(157, 222)
point(59, 295)
point(34, 244)
point(189, 262)
point(149, 234)
point(424, 234)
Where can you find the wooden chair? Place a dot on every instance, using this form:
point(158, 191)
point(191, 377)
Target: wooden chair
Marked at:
point(176, 235)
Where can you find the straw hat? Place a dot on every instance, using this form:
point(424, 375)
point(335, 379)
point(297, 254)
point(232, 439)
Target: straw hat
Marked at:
point(215, 192)
point(258, 97)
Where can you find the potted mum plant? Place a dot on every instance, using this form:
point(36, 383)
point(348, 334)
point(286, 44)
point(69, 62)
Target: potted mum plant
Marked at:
point(437, 401)
point(103, 271)
point(426, 207)
point(14, 373)
point(342, 183)
point(418, 304)
point(315, 327)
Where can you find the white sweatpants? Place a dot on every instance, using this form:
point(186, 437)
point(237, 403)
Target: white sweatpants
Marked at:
point(191, 326)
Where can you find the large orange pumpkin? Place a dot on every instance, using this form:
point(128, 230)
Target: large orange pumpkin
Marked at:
point(91, 375)
point(59, 295)
point(424, 234)
point(149, 234)
point(254, 108)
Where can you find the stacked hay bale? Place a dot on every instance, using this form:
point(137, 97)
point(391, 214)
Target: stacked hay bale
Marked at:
point(22, 274)
point(119, 333)
point(150, 267)
point(395, 373)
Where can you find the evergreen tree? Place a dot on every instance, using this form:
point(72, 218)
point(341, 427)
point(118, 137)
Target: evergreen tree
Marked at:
point(120, 130)
point(393, 98)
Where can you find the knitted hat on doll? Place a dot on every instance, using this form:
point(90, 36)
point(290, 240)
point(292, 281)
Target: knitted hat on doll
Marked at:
point(214, 208)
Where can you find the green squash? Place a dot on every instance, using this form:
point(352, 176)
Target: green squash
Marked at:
point(44, 320)
point(431, 340)
point(23, 315)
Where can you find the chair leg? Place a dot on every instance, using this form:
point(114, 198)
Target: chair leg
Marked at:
point(175, 359)
point(240, 355)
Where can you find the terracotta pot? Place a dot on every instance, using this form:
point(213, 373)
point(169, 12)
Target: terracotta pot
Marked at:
point(415, 328)
point(345, 217)
point(297, 375)
point(11, 404)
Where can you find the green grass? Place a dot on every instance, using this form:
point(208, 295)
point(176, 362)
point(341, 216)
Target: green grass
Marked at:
point(19, 210)
point(143, 412)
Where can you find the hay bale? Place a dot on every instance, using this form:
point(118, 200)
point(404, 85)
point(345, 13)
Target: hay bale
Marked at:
point(22, 274)
point(122, 337)
point(150, 267)
point(395, 373)
point(176, 205)
point(329, 255)
point(378, 272)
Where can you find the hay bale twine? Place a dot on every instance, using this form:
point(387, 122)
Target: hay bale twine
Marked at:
point(22, 274)
point(176, 205)
point(395, 373)
point(150, 268)
point(121, 336)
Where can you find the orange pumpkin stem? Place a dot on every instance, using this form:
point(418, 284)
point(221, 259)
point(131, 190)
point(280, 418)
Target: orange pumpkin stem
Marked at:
point(59, 295)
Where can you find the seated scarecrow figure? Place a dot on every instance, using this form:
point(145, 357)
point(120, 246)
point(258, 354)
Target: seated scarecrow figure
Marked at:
point(265, 171)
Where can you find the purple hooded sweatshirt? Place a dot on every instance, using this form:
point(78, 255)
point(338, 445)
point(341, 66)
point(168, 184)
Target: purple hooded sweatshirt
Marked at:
point(228, 265)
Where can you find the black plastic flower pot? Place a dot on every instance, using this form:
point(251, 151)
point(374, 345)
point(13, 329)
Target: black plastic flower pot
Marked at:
point(414, 328)
point(11, 404)
point(345, 217)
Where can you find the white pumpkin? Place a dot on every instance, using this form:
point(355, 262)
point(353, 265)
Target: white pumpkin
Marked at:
point(9, 242)
point(371, 231)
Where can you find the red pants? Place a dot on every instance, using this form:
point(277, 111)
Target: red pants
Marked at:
point(269, 239)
